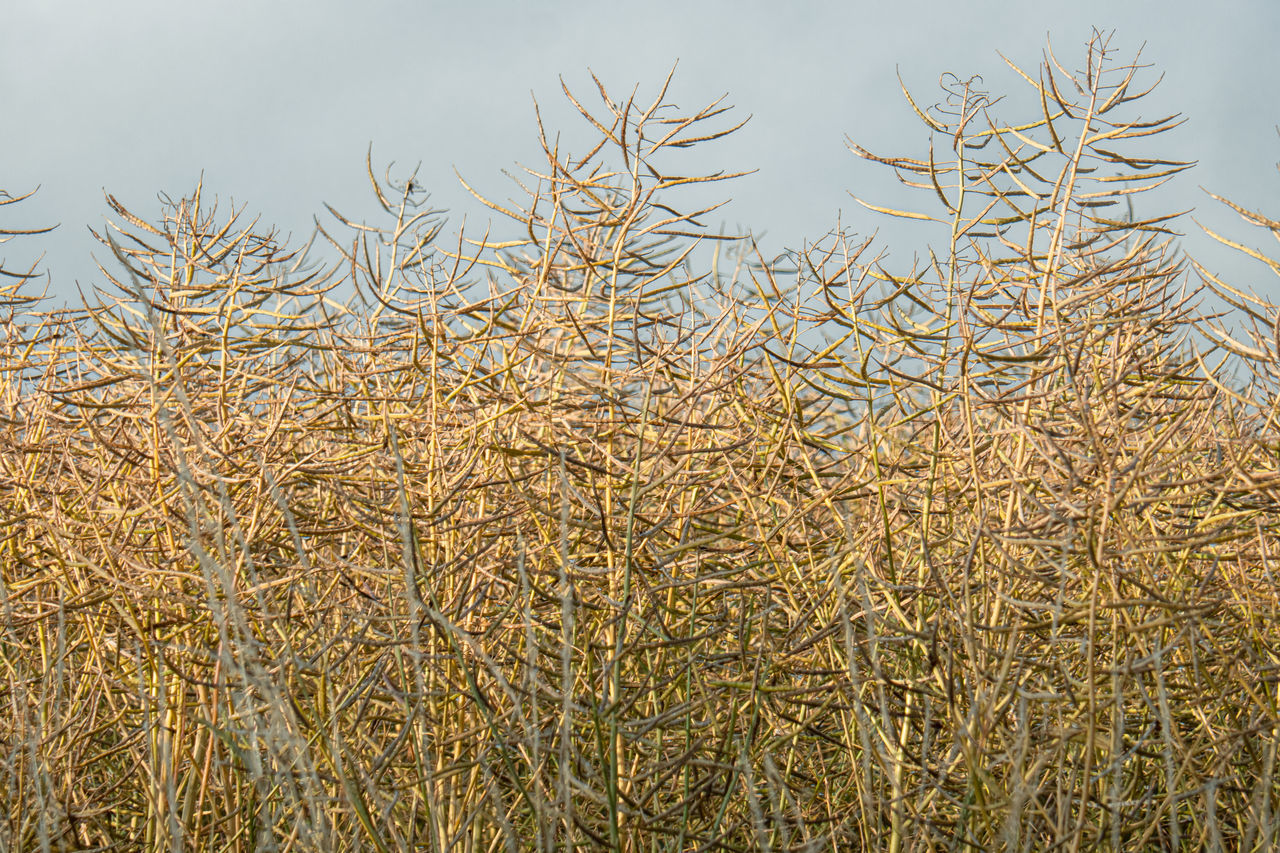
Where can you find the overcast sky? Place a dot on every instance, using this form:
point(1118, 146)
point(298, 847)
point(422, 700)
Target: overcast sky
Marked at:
point(277, 102)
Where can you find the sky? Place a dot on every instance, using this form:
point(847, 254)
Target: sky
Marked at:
point(276, 103)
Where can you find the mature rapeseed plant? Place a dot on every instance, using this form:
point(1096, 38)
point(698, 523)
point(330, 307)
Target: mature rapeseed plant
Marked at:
point(563, 542)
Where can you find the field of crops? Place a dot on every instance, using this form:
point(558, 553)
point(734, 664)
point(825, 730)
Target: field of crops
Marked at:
point(583, 541)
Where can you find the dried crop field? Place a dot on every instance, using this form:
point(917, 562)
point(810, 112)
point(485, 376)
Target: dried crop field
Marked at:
point(568, 542)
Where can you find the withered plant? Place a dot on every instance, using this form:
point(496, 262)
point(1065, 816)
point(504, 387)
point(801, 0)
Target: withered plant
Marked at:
point(593, 539)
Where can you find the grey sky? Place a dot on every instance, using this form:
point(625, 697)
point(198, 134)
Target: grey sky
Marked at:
point(276, 102)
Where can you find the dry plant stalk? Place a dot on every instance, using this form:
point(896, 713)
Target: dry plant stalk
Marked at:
point(552, 543)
